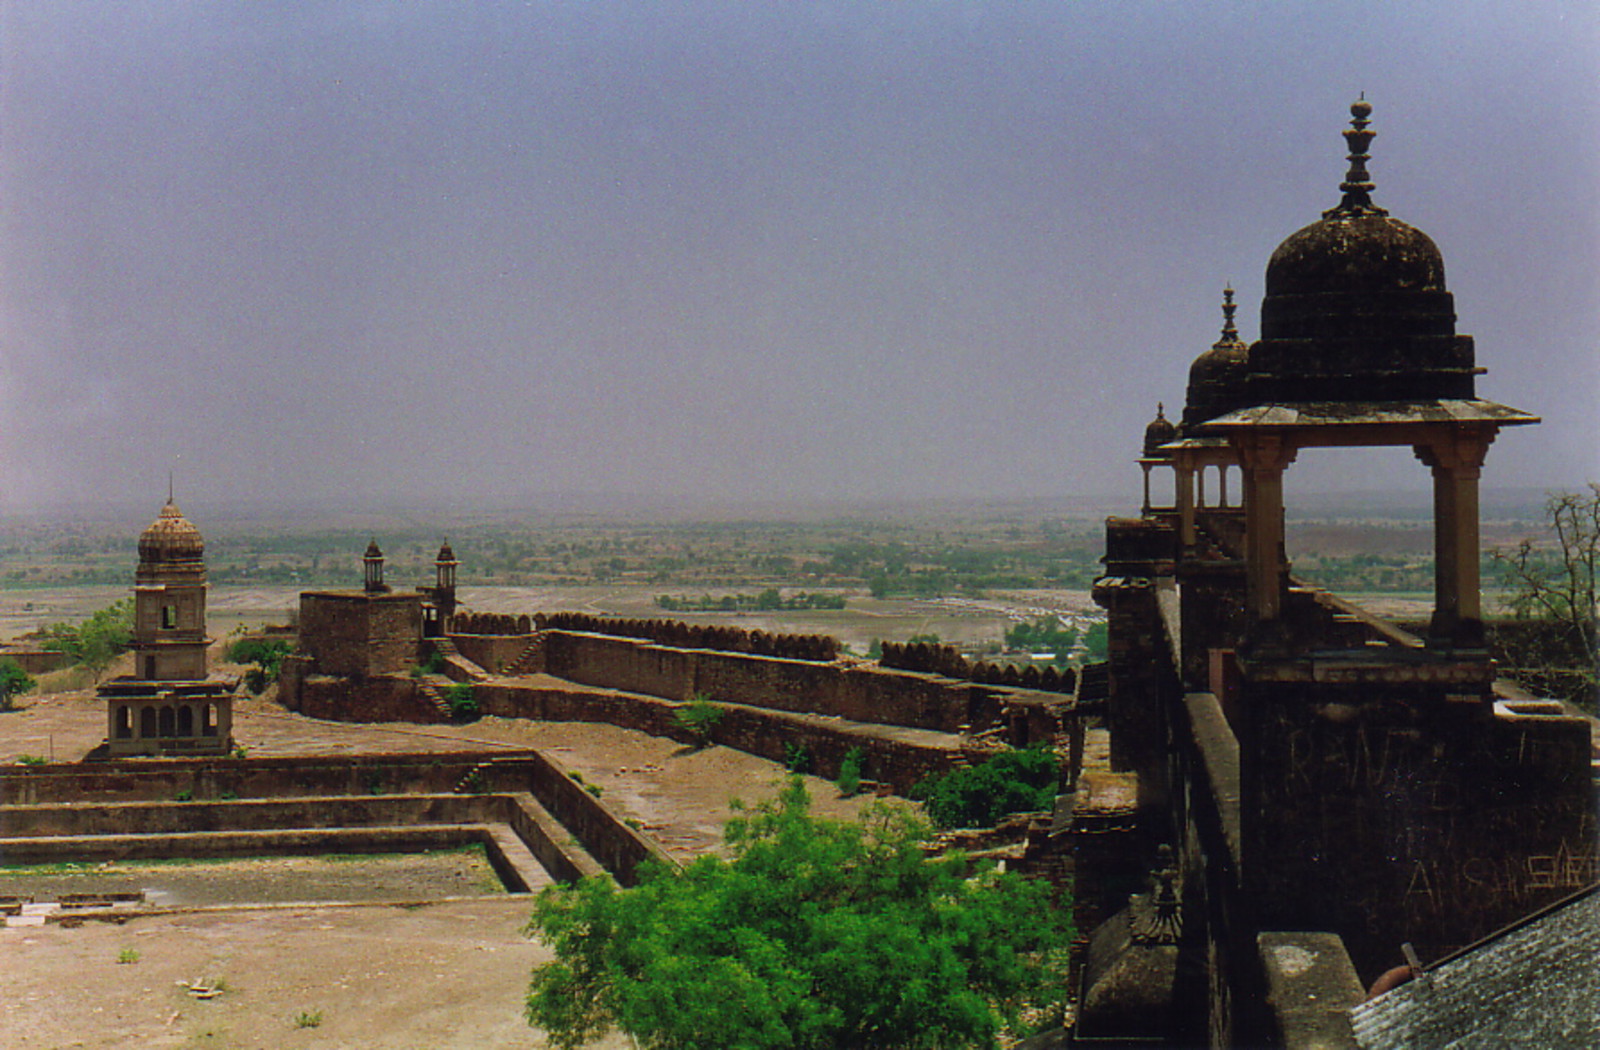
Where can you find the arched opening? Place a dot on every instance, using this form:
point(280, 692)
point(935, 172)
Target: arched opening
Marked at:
point(208, 720)
point(185, 721)
point(168, 722)
point(124, 720)
point(147, 723)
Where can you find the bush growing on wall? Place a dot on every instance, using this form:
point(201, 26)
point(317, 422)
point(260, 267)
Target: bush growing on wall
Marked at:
point(463, 701)
point(698, 718)
point(978, 797)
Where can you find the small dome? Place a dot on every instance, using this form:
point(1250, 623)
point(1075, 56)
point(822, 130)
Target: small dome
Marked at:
point(373, 551)
point(1217, 377)
point(1159, 432)
point(445, 553)
point(171, 537)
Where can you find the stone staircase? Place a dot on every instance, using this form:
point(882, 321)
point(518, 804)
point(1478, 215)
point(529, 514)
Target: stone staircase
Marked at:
point(470, 782)
point(428, 689)
point(529, 661)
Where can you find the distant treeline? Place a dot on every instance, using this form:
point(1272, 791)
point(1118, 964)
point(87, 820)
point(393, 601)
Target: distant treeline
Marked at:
point(769, 600)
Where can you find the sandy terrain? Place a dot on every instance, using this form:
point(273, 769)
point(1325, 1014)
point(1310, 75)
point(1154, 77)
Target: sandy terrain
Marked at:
point(440, 976)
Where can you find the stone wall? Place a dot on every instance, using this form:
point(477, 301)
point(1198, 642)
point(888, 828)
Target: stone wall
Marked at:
point(381, 698)
point(357, 634)
point(767, 734)
point(495, 653)
point(681, 635)
point(858, 692)
point(372, 790)
point(1391, 818)
point(948, 661)
point(211, 778)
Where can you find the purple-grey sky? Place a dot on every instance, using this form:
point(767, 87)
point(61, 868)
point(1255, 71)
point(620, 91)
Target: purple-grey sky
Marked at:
point(490, 252)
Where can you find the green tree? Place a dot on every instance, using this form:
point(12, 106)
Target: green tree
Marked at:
point(816, 934)
point(96, 641)
point(979, 796)
point(14, 681)
point(266, 653)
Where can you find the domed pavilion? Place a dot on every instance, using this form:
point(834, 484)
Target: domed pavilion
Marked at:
point(1358, 347)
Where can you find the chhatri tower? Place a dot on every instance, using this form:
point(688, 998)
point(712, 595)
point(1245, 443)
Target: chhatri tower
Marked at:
point(169, 705)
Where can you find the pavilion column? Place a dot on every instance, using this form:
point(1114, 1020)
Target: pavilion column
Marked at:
point(1457, 463)
point(1146, 468)
point(1263, 459)
point(1222, 485)
point(1183, 478)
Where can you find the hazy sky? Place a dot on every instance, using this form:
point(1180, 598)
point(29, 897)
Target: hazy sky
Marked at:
point(464, 252)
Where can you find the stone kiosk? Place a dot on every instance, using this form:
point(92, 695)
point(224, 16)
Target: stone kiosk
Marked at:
point(169, 705)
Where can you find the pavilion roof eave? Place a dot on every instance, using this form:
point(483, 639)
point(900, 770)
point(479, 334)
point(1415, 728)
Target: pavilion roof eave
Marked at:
point(1367, 414)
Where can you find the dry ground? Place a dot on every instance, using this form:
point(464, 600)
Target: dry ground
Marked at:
point(444, 975)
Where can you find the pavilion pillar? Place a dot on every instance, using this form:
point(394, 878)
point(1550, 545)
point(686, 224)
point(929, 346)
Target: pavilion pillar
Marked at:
point(1457, 464)
point(1183, 469)
point(1263, 458)
point(1146, 468)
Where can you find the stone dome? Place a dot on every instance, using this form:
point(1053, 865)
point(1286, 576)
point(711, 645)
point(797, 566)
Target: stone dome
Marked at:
point(171, 538)
point(1356, 307)
point(1159, 432)
point(1217, 379)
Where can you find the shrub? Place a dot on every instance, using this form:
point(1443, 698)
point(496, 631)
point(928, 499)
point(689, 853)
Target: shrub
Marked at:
point(127, 956)
point(96, 641)
point(813, 934)
point(796, 757)
point(266, 654)
point(463, 702)
point(14, 681)
point(308, 1019)
point(850, 772)
point(1010, 782)
point(698, 718)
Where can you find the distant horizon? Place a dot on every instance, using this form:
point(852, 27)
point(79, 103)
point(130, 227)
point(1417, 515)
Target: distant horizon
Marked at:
point(1520, 501)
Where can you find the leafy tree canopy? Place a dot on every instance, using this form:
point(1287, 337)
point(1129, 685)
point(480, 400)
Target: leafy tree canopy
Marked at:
point(815, 934)
point(96, 641)
point(979, 796)
point(14, 681)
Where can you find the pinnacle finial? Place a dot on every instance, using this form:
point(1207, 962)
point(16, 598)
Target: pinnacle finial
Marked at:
point(1357, 185)
point(1161, 410)
point(1230, 334)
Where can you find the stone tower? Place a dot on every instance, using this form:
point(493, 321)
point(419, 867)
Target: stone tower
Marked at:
point(169, 705)
point(169, 600)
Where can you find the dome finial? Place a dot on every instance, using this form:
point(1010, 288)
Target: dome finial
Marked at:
point(1357, 185)
point(1230, 334)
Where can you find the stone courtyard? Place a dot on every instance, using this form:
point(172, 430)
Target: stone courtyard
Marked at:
point(444, 974)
